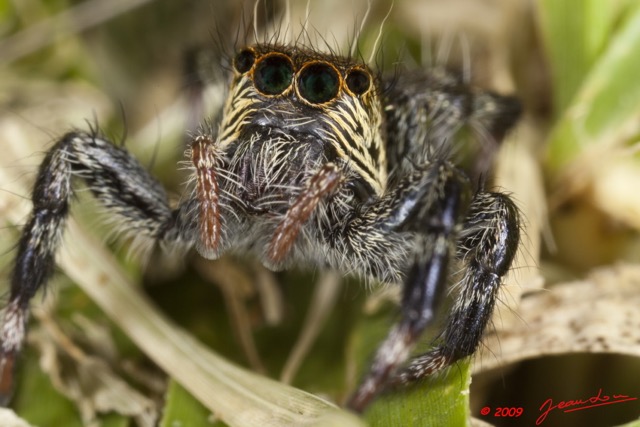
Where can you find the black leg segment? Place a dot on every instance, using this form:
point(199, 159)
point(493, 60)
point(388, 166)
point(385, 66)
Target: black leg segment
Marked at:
point(434, 217)
point(486, 248)
point(125, 189)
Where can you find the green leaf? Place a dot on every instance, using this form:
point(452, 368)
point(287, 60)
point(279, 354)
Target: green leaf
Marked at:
point(115, 420)
point(574, 32)
point(606, 109)
point(182, 409)
point(635, 423)
point(442, 399)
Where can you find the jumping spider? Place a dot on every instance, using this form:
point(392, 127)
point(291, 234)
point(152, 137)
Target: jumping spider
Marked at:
point(315, 160)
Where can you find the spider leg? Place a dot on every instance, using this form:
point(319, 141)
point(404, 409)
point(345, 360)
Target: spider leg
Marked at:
point(487, 246)
point(430, 209)
point(321, 185)
point(205, 161)
point(120, 184)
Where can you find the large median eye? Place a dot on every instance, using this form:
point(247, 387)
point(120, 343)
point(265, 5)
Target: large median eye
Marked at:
point(358, 81)
point(273, 74)
point(318, 83)
point(244, 60)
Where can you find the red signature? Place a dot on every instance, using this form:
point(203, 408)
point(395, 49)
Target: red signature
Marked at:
point(578, 405)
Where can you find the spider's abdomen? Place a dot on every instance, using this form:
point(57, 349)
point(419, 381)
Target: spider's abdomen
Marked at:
point(425, 109)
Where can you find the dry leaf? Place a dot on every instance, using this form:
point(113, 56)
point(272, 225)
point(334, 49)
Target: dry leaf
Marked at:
point(596, 315)
point(87, 380)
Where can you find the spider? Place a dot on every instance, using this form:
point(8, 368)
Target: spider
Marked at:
point(315, 160)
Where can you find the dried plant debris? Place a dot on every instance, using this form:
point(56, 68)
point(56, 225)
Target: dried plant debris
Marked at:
point(8, 418)
point(88, 380)
point(595, 315)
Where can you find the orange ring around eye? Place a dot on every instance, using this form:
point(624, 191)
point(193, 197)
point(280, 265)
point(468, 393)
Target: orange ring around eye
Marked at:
point(318, 82)
point(358, 81)
point(244, 60)
point(273, 74)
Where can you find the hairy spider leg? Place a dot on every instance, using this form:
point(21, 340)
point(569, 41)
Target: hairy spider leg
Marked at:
point(124, 188)
point(321, 185)
point(205, 160)
point(430, 208)
point(487, 246)
point(423, 112)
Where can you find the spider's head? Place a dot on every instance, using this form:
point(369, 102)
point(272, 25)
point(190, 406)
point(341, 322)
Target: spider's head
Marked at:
point(322, 107)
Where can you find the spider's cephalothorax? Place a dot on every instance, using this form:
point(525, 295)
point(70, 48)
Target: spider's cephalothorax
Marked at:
point(311, 163)
point(296, 92)
point(297, 123)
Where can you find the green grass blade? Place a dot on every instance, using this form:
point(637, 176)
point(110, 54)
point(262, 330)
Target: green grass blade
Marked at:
point(442, 399)
point(182, 409)
point(575, 33)
point(606, 110)
point(237, 396)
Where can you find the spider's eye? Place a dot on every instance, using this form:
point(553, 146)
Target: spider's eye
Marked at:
point(244, 60)
point(273, 75)
point(318, 83)
point(358, 81)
